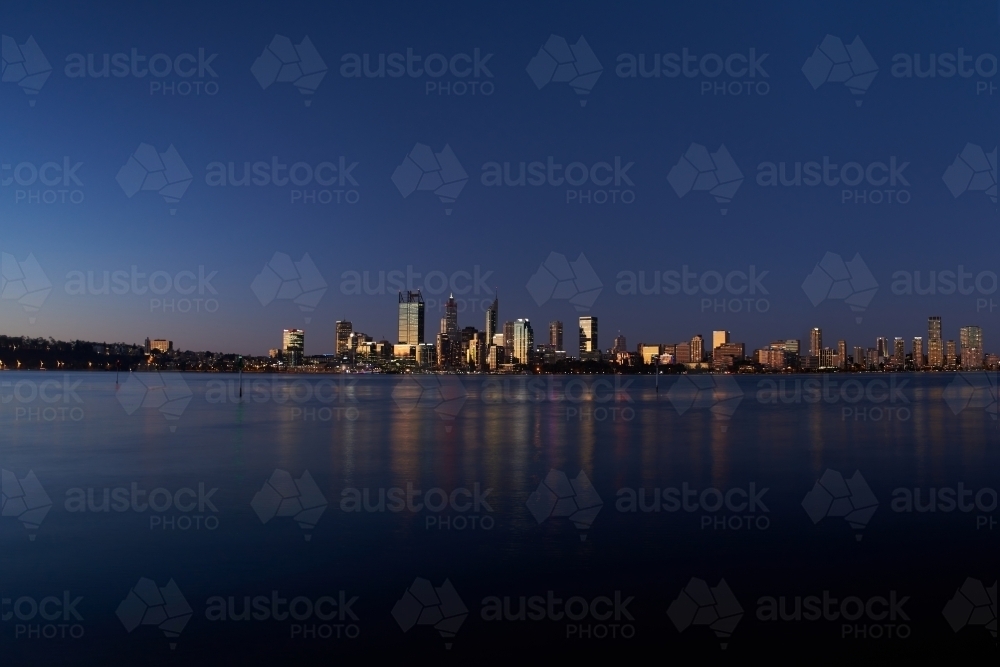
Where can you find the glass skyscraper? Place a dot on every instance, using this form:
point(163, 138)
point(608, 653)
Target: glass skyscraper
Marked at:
point(556, 335)
point(935, 346)
point(588, 337)
point(293, 345)
point(524, 341)
point(491, 320)
point(411, 318)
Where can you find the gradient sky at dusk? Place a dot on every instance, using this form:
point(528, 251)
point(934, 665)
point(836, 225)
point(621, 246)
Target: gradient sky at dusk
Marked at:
point(506, 231)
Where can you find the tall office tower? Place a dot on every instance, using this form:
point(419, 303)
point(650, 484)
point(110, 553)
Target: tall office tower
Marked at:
point(918, 352)
point(424, 354)
point(495, 357)
point(899, 351)
point(475, 353)
point(588, 337)
point(815, 342)
point(411, 318)
point(826, 357)
point(451, 315)
point(950, 356)
point(524, 341)
point(621, 345)
point(935, 346)
point(444, 325)
point(971, 346)
point(508, 342)
point(444, 353)
point(934, 327)
point(344, 330)
point(466, 336)
point(147, 347)
point(882, 347)
point(719, 338)
point(491, 319)
point(793, 348)
point(556, 335)
point(842, 353)
point(697, 349)
point(498, 340)
point(859, 357)
point(293, 346)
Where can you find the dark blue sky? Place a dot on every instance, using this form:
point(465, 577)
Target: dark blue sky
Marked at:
point(506, 231)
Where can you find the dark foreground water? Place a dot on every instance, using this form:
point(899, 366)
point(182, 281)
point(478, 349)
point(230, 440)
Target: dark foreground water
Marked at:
point(323, 518)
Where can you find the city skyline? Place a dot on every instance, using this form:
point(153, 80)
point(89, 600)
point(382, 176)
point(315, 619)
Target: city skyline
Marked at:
point(518, 338)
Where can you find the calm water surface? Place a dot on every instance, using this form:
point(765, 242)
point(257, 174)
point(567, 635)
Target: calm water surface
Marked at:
point(193, 496)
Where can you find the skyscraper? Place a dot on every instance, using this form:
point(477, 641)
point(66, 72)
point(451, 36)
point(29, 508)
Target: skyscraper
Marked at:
point(443, 351)
point(842, 353)
point(411, 318)
point(859, 357)
point(451, 315)
point(621, 345)
point(950, 356)
point(918, 352)
point(719, 338)
point(815, 342)
point(293, 345)
point(524, 342)
point(491, 319)
point(556, 335)
point(899, 352)
point(970, 340)
point(588, 337)
point(344, 330)
point(508, 342)
point(935, 346)
point(882, 347)
point(697, 349)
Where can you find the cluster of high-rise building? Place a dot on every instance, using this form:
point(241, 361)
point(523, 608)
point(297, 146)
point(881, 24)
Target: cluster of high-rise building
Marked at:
point(512, 345)
point(937, 354)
